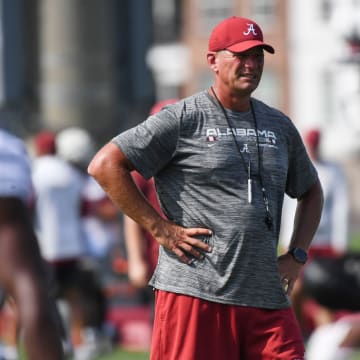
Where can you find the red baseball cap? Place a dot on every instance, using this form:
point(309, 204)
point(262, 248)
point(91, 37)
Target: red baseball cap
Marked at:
point(237, 34)
point(44, 142)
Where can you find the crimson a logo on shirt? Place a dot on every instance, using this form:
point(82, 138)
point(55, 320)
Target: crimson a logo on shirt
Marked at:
point(211, 138)
point(266, 137)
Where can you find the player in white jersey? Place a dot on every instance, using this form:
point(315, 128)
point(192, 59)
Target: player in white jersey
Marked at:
point(58, 187)
point(59, 181)
point(21, 271)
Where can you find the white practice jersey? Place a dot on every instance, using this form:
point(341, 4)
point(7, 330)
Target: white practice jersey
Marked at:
point(58, 189)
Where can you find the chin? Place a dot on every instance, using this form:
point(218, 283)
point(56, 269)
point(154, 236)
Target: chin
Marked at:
point(246, 90)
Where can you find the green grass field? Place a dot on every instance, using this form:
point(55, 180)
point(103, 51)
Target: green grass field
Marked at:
point(117, 354)
point(355, 242)
point(125, 355)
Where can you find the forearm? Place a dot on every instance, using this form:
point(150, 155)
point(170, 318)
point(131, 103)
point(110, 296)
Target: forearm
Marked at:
point(307, 217)
point(112, 171)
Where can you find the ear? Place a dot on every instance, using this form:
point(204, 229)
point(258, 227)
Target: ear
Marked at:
point(212, 61)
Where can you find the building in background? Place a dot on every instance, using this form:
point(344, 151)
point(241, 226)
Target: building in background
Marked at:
point(15, 59)
point(92, 63)
point(75, 62)
point(102, 64)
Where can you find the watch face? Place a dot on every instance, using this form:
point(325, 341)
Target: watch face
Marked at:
point(300, 255)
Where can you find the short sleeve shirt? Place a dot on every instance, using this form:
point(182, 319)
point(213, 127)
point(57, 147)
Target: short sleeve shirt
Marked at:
point(202, 181)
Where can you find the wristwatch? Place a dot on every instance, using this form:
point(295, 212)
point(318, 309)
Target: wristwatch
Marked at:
point(298, 254)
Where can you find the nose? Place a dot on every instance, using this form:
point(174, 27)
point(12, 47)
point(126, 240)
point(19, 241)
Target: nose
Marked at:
point(251, 61)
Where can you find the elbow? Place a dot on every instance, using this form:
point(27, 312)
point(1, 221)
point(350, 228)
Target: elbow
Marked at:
point(91, 168)
point(108, 163)
point(100, 164)
point(96, 166)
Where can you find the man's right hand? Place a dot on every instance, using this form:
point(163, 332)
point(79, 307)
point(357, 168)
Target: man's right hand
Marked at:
point(183, 242)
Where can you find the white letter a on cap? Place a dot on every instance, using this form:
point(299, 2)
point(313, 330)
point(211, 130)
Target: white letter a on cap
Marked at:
point(250, 29)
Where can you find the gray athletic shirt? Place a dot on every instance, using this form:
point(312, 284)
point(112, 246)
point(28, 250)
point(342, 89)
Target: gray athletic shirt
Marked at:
point(201, 181)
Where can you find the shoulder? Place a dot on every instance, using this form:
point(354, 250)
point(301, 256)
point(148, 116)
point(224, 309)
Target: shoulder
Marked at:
point(198, 102)
point(12, 144)
point(13, 151)
point(182, 114)
point(278, 121)
point(6, 136)
point(15, 177)
point(263, 109)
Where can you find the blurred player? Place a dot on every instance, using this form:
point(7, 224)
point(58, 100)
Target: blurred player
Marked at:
point(21, 268)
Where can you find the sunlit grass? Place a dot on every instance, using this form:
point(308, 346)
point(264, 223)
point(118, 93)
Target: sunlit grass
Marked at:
point(125, 355)
point(116, 354)
point(355, 242)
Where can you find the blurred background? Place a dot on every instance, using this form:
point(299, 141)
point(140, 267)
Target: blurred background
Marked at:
point(102, 64)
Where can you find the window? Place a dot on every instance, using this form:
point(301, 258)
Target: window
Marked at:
point(263, 12)
point(212, 12)
point(166, 19)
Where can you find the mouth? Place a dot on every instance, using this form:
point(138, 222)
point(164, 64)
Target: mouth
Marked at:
point(248, 76)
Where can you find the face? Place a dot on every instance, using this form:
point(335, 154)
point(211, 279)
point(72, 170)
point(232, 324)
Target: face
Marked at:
point(239, 72)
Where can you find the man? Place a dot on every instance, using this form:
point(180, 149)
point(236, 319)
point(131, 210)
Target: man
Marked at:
point(222, 162)
point(21, 268)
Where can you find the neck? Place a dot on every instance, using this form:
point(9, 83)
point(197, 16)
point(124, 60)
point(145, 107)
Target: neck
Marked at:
point(230, 100)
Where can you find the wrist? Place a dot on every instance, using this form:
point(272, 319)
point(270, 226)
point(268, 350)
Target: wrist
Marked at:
point(298, 254)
